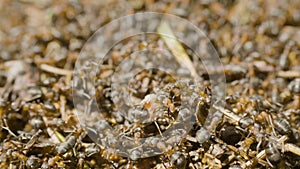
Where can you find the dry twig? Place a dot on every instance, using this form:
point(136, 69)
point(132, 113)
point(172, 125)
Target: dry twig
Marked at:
point(55, 70)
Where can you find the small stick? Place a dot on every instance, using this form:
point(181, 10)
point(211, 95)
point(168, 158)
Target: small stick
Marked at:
point(228, 113)
point(31, 142)
point(192, 139)
point(289, 74)
point(282, 140)
point(269, 119)
point(53, 136)
point(55, 70)
point(292, 148)
point(7, 128)
point(62, 108)
point(261, 155)
point(158, 128)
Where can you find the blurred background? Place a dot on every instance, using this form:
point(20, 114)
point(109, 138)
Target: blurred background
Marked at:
point(258, 42)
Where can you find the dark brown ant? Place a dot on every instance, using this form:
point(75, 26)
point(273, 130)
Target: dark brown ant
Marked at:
point(283, 126)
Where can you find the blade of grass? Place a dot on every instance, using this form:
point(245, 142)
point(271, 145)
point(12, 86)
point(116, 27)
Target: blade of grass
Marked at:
point(60, 136)
point(176, 48)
